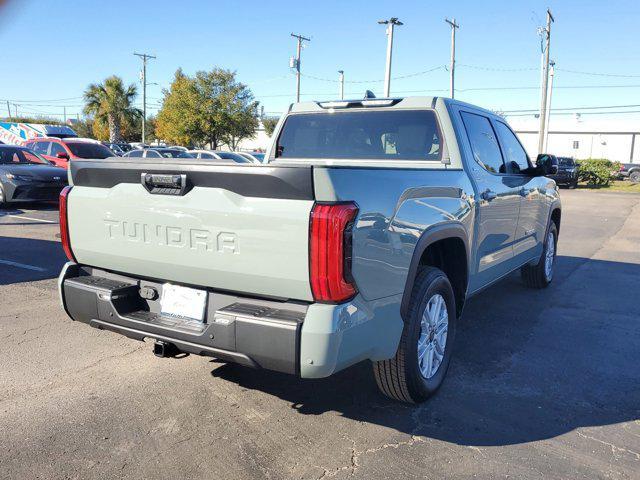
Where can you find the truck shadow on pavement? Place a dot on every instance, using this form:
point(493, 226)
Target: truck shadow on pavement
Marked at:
point(29, 259)
point(528, 365)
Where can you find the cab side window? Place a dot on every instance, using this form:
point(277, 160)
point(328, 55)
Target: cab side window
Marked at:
point(135, 153)
point(41, 147)
point(515, 157)
point(484, 144)
point(56, 148)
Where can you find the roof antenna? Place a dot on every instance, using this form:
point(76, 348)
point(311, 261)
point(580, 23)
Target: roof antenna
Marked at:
point(369, 94)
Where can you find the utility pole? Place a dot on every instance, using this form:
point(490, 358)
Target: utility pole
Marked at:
point(341, 72)
point(546, 33)
point(454, 25)
point(9, 110)
point(64, 110)
point(297, 61)
point(144, 57)
point(391, 23)
point(552, 65)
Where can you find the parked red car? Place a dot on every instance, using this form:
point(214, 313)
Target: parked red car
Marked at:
point(59, 150)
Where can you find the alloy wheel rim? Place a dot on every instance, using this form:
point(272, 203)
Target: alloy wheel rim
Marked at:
point(549, 256)
point(434, 326)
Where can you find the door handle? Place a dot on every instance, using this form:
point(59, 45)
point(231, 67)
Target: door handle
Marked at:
point(524, 192)
point(489, 195)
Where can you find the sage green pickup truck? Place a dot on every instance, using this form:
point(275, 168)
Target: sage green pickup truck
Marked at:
point(361, 237)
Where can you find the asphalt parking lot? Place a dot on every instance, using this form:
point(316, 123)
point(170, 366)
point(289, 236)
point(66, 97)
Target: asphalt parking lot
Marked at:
point(543, 383)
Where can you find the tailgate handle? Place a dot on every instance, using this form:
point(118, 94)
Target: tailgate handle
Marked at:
point(164, 183)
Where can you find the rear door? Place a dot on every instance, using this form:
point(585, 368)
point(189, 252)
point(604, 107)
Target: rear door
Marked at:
point(498, 203)
point(231, 227)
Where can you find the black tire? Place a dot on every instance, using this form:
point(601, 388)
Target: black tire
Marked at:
point(635, 177)
point(536, 276)
point(573, 184)
point(3, 203)
point(400, 377)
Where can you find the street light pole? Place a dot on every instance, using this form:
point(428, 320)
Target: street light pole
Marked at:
point(391, 23)
point(545, 80)
point(454, 25)
point(341, 72)
point(300, 39)
point(144, 57)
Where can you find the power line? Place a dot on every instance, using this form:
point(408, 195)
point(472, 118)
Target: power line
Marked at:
point(597, 74)
point(399, 77)
point(42, 100)
point(474, 89)
point(573, 108)
point(497, 69)
point(570, 113)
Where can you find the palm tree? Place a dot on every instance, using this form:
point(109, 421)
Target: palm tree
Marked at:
point(112, 103)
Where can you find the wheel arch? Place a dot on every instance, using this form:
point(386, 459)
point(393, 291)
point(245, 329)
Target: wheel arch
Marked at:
point(556, 216)
point(445, 246)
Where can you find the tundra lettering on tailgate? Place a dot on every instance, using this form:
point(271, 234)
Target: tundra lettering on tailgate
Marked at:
point(171, 236)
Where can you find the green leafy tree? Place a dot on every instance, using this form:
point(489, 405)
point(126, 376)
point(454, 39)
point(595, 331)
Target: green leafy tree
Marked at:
point(211, 108)
point(269, 124)
point(84, 127)
point(111, 103)
point(131, 130)
point(177, 119)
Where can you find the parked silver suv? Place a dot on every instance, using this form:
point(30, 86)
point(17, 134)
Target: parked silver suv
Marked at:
point(369, 226)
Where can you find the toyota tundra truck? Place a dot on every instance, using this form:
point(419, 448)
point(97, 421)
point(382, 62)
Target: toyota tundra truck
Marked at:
point(361, 237)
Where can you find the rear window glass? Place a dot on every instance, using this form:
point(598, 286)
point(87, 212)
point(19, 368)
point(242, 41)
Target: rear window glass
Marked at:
point(233, 156)
point(378, 135)
point(89, 150)
point(12, 156)
point(566, 162)
point(174, 154)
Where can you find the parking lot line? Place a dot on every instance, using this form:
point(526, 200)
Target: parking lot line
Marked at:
point(23, 265)
point(31, 218)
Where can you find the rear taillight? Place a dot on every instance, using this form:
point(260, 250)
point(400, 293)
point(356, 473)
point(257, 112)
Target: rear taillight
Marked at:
point(64, 224)
point(330, 251)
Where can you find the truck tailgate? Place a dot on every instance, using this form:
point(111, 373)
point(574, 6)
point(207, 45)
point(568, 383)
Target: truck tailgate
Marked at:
point(234, 228)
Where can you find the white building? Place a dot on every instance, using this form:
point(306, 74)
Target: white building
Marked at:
point(259, 142)
point(587, 136)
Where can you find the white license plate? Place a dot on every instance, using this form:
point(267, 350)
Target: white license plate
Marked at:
point(183, 302)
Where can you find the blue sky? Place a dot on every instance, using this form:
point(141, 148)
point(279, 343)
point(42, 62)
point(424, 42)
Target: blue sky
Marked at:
point(53, 50)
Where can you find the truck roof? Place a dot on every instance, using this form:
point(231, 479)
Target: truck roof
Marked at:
point(392, 102)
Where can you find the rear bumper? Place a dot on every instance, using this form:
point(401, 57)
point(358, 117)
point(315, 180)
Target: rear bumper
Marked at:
point(308, 340)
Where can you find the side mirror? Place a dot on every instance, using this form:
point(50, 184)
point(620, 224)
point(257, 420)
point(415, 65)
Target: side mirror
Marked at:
point(62, 155)
point(547, 164)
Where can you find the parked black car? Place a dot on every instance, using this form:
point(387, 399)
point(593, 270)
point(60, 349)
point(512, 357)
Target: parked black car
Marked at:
point(26, 176)
point(630, 171)
point(567, 172)
point(118, 148)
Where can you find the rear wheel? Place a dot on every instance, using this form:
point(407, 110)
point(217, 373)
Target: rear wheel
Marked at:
point(540, 275)
point(573, 184)
point(635, 177)
point(422, 359)
point(2, 198)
